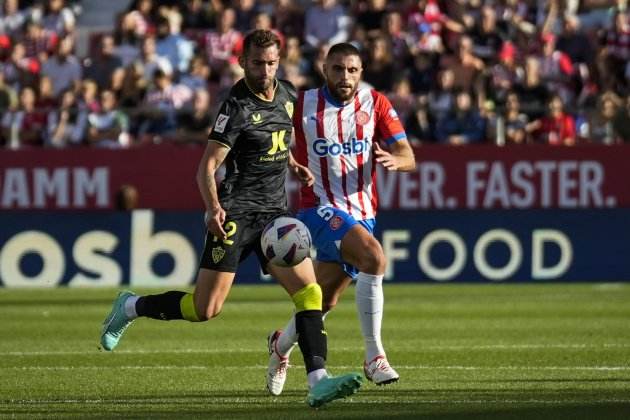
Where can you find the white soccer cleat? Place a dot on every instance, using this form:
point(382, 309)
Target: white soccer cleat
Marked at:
point(277, 367)
point(379, 371)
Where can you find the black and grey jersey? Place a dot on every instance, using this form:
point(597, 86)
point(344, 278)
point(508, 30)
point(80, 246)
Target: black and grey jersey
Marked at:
point(258, 133)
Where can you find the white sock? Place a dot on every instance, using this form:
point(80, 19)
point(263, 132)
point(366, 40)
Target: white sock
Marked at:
point(289, 337)
point(369, 299)
point(316, 376)
point(130, 307)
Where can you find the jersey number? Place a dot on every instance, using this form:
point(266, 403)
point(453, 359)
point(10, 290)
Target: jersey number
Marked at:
point(230, 230)
point(325, 213)
point(277, 140)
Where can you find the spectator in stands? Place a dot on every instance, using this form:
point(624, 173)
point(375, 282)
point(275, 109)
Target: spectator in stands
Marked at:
point(89, 96)
point(199, 74)
point(556, 69)
point(465, 65)
point(621, 123)
point(171, 43)
point(109, 127)
point(161, 105)
point(504, 74)
point(442, 100)
point(600, 127)
point(326, 22)
point(141, 12)
point(370, 16)
point(418, 125)
point(101, 67)
point(463, 125)
point(245, 12)
point(398, 40)
point(515, 122)
point(127, 42)
point(294, 63)
point(423, 74)
point(39, 43)
point(378, 70)
point(133, 89)
point(557, 128)
point(58, 18)
point(151, 61)
point(289, 18)
point(532, 93)
point(66, 126)
point(63, 68)
point(24, 127)
point(12, 19)
point(615, 55)
point(487, 37)
point(8, 96)
point(402, 99)
point(46, 101)
point(197, 14)
point(223, 44)
point(194, 124)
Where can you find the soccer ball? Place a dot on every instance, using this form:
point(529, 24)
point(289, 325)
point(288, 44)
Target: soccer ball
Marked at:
point(286, 241)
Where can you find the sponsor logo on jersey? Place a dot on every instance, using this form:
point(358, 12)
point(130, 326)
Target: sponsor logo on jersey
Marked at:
point(217, 254)
point(335, 222)
point(352, 147)
point(362, 117)
point(219, 125)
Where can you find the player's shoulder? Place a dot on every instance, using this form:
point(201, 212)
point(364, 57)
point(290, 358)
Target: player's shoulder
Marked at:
point(288, 88)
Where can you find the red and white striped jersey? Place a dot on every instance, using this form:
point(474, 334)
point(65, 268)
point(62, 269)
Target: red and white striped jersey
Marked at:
point(335, 142)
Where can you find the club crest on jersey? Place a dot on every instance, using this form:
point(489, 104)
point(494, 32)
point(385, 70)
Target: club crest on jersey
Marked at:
point(217, 254)
point(289, 107)
point(256, 118)
point(219, 125)
point(335, 222)
point(362, 117)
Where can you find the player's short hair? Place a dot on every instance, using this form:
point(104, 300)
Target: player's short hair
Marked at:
point(260, 38)
point(343, 48)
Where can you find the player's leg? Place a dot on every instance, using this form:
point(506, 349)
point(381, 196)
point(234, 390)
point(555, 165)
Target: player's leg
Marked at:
point(333, 281)
point(299, 282)
point(360, 249)
point(217, 267)
point(205, 303)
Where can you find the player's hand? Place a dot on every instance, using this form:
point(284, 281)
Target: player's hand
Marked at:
point(385, 158)
point(214, 222)
point(304, 175)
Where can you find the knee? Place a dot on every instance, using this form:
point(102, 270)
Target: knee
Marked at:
point(209, 311)
point(373, 259)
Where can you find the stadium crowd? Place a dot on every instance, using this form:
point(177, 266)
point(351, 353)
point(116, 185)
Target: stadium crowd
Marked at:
point(458, 71)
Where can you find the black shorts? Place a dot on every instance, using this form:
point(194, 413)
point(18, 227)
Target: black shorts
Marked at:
point(243, 236)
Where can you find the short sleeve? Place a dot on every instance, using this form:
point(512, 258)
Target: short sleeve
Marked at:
point(388, 125)
point(228, 124)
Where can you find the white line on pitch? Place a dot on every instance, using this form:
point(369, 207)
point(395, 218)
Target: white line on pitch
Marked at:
point(417, 349)
point(407, 367)
point(347, 401)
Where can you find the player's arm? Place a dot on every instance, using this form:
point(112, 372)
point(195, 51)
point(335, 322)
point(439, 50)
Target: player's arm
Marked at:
point(213, 157)
point(300, 171)
point(400, 156)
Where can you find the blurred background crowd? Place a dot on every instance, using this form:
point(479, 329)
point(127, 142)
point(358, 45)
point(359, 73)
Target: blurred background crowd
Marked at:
point(457, 71)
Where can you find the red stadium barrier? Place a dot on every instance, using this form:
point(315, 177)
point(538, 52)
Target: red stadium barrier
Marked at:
point(471, 177)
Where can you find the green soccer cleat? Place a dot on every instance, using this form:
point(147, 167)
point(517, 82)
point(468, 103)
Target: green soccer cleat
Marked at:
point(333, 388)
point(116, 322)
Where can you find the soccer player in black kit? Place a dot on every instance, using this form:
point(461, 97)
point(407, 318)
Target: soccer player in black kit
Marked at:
point(251, 134)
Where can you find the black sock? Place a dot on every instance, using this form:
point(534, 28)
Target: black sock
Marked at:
point(312, 339)
point(164, 306)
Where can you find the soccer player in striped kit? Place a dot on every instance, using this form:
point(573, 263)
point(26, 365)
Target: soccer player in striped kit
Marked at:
point(338, 130)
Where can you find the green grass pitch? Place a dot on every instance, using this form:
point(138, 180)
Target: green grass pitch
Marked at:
point(463, 351)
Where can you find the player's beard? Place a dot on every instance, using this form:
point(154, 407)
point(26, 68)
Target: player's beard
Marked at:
point(343, 92)
point(259, 85)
